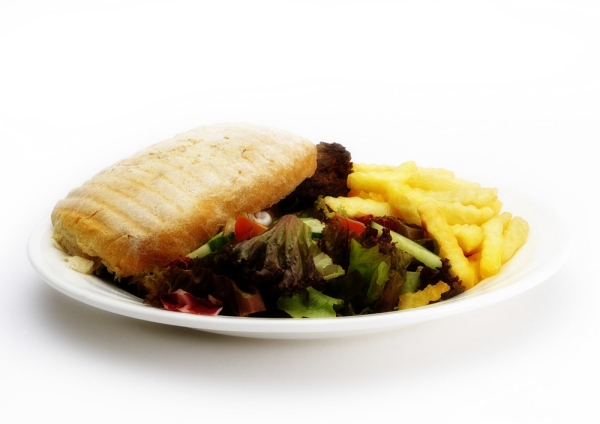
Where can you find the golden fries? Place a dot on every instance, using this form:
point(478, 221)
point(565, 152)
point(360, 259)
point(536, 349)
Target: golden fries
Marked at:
point(505, 217)
point(515, 236)
point(457, 213)
point(435, 224)
point(469, 236)
point(431, 293)
point(358, 206)
point(480, 198)
point(491, 248)
point(466, 219)
point(439, 182)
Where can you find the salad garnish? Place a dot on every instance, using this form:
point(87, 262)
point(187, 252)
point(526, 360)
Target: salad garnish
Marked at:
point(313, 263)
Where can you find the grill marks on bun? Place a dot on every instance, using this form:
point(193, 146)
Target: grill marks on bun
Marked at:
point(173, 196)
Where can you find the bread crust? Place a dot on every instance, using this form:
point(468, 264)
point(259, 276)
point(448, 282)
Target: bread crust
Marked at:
point(173, 196)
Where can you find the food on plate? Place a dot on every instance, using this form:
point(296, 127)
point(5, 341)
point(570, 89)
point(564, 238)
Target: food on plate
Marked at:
point(175, 195)
point(431, 293)
point(435, 224)
point(329, 178)
point(464, 218)
point(249, 221)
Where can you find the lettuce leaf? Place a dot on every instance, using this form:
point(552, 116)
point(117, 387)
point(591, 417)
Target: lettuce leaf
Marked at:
point(413, 280)
point(309, 304)
point(182, 301)
point(188, 285)
point(373, 267)
point(281, 258)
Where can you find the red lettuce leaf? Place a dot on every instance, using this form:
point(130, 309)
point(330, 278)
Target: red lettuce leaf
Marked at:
point(279, 261)
point(182, 301)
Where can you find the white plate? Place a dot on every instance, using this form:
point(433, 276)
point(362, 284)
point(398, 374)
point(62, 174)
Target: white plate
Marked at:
point(542, 255)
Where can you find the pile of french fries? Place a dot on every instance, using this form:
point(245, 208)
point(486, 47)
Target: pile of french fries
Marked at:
point(466, 219)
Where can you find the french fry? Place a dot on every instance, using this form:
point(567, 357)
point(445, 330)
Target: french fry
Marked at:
point(435, 224)
point(496, 206)
point(436, 182)
point(469, 237)
point(376, 182)
point(457, 213)
point(491, 247)
point(431, 293)
point(414, 195)
point(367, 195)
point(357, 206)
point(515, 236)
point(406, 207)
point(474, 261)
point(377, 178)
point(479, 197)
point(505, 217)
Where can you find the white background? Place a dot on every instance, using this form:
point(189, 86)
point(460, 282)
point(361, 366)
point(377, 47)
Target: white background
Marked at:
point(507, 91)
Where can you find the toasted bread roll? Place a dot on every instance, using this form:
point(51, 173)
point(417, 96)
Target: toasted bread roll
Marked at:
point(170, 198)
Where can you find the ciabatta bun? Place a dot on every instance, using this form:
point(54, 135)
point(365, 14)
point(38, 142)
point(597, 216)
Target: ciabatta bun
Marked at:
point(170, 198)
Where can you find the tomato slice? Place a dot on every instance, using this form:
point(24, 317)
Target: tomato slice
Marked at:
point(350, 224)
point(245, 228)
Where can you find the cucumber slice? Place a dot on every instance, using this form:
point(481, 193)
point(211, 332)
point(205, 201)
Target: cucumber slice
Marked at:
point(315, 225)
point(417, 251)
point(326, 267)
point(214, 244)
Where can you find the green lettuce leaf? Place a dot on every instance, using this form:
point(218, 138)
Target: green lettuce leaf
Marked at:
point(309, 304)
point(378, 280)
point(413, 280)
point(372, 266)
